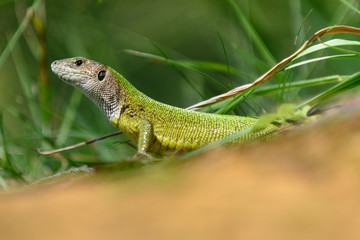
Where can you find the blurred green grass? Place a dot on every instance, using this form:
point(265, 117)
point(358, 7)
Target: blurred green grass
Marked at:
point(244, 37)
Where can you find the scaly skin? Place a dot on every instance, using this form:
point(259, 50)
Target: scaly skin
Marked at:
point(155, 127)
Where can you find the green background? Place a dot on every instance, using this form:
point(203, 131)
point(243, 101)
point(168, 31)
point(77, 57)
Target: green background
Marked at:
point(178, 29)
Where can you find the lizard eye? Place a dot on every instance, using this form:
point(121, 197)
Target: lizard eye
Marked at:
point(101, 75)
point(79, 62)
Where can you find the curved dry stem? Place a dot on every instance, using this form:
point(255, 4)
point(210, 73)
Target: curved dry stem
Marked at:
point(270, 74)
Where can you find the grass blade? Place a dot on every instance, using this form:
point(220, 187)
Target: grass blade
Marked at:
point(340, 56)
point(24, 23)
point(349, 5)
point(350, 83)
point(250, 31)
point(183, 64)
point(7, 158)
point(230, 106)
point(213, 66)
point(4, 143)
point(226, 59)
point(272, 89)
point(69, 117)
point(327, 44)
point(26, 85)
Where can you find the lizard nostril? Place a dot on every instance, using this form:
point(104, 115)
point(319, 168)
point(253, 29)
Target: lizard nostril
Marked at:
point(53, 64)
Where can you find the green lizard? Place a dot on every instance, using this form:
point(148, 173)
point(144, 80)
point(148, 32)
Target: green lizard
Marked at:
point(154, 126)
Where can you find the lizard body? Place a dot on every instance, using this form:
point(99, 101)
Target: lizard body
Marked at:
point(154, 126)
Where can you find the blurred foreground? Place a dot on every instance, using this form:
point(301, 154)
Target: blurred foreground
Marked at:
point(303, 186)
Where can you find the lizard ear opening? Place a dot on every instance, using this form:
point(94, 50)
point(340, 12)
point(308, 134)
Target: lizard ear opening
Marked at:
point(101, 75)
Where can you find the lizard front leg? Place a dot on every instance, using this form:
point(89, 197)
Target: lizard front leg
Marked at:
point(139, 130)
point(145, 139)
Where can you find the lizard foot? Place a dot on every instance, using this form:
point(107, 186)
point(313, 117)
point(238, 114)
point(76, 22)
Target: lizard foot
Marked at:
point(144, 158)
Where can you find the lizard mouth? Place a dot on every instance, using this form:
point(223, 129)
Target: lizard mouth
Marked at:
point(63, 72)
point(59, 70)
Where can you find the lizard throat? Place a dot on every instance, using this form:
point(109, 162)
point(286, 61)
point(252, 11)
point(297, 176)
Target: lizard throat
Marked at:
point(110, 107)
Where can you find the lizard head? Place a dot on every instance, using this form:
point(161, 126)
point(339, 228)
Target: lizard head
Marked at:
point(93, 79)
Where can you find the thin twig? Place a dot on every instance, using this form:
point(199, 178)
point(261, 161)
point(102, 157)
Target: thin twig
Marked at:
point(80, 144)
point(270, 74)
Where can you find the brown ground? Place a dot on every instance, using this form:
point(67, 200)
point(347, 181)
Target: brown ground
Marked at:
point(303, 186)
